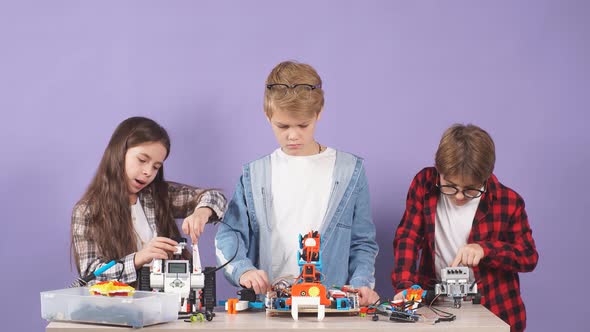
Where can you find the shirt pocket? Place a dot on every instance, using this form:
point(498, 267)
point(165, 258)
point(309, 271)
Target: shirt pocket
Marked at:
point(343, 226)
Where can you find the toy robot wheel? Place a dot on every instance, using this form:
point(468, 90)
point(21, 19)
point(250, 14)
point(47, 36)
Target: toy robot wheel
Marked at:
point(208, 315)
point(375, 318)
point(476, 298)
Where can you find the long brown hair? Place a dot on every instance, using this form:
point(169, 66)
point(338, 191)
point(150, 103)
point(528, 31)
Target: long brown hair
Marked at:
point(107, 196)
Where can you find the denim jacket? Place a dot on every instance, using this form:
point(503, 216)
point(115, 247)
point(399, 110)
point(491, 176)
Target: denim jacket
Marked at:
point(348, 245)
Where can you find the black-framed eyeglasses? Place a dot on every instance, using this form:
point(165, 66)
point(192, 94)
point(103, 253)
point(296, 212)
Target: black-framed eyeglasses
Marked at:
point(451, 190)
point(302, 90)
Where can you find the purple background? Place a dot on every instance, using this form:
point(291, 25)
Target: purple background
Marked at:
point(396, 75)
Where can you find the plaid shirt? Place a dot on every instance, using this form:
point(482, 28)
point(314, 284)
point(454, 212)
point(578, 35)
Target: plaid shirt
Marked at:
point(501, 228)
point(181, 200)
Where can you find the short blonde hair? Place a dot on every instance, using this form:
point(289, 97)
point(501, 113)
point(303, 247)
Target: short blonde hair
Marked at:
point(291, 72)
point(467, 151)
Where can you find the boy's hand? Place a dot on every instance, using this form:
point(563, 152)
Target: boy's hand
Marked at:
point(469, 255)
point(157, 248)
point(255, 279)
point(367, 296)
point(194, 225)
point(398, 297)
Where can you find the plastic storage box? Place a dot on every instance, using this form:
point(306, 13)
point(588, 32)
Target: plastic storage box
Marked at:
point(78, 305)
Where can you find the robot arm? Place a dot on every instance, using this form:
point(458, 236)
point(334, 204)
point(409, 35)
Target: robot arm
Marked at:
point(197, 276)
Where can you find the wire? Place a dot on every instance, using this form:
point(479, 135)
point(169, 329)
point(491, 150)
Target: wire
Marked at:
point(122, 269)
point(83, 281)
point(442, 316)
point(79, 282)
point(235, 253)
point(434, 299)
point(375, 303)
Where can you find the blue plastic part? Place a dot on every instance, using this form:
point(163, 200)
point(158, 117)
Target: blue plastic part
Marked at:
point(302, 262)
point(104, 268)
point(256, 305)
point(342, 304)
point(281, 304)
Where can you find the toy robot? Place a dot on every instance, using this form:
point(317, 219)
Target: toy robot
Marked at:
point(195, 287)
point(455, 283)
point(307, 293)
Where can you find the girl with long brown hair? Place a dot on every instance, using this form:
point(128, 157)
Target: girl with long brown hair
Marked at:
point(128, 212)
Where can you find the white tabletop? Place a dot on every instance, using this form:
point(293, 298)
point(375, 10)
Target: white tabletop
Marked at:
point(470, 317)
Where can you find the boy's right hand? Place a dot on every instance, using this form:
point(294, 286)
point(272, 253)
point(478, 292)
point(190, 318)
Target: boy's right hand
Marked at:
point(255, 279)
point(157, 248)
point(398, 297)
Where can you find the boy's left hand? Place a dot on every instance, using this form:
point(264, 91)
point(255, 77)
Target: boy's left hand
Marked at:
point(194, 225)
point(469, 255)
point(367, 296)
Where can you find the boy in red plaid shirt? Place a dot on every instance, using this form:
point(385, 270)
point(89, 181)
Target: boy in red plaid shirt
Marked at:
point(458, 213)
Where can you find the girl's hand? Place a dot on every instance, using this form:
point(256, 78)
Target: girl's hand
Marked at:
point(157, 248)
point(255, 279)
point(194, 225)
point(367, 296)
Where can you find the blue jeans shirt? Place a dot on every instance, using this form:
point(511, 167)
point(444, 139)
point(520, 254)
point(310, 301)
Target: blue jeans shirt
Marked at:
point(348, 245)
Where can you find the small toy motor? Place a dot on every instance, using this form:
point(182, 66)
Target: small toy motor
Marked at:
point(455, 283)
point(195, 285)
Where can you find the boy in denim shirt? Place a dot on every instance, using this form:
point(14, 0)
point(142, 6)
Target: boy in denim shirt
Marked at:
point(301, 186)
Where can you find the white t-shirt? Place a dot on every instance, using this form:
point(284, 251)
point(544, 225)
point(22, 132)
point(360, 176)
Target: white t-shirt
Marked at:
point(301, 187)
point(452, 227)
point(143, 231)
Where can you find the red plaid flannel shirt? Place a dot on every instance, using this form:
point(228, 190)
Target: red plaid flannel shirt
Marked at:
point(501, 228)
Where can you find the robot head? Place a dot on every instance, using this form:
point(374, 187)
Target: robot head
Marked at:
point(310, 245)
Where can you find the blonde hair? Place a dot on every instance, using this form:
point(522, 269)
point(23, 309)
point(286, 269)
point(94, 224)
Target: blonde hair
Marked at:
point(291, 72)
point(467, 151)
